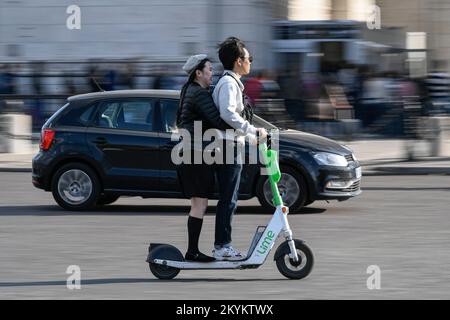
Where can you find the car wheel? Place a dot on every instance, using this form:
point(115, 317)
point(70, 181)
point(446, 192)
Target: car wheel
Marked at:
point(292, 187)
point(75, 186)
point(106, 199)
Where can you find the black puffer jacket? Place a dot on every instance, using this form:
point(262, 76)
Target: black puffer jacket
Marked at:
point(198, 105)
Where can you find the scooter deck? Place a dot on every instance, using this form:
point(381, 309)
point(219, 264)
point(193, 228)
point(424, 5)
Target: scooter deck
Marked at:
point(191, 265)
point(218, 264)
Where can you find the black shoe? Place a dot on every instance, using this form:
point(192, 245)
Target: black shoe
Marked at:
point(198, 257)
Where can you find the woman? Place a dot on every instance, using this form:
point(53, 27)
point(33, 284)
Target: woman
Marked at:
point(197, 180)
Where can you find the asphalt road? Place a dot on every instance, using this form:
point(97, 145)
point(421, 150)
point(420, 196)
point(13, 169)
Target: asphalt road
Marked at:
point(400, 224)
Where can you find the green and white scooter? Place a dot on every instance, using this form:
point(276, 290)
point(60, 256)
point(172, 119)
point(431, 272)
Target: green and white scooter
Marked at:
point(293, 257)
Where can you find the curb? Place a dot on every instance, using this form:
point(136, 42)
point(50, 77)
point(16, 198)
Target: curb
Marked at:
point(415, 171)
point(15, 169)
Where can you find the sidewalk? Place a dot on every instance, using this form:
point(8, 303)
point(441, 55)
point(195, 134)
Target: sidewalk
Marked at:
point(378, 158)
point(18, 162)
point(422, 166)
point(10, 162)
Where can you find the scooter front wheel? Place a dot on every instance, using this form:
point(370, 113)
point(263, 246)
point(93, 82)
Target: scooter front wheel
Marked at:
point(165, 252)
point(288, 267)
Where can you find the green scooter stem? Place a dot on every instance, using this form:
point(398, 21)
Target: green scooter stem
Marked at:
point(270, 160)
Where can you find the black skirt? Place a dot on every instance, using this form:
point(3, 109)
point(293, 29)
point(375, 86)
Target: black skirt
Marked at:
point(196, 180)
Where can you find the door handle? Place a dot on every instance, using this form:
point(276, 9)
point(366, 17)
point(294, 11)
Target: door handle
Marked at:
point(100, 140)
point(169, 145)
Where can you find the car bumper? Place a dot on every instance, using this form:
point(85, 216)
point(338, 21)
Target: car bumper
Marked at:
point(40, 172)
point(349, 177)
point(337, 195)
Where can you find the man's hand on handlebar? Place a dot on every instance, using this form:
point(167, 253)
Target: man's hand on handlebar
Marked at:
point(262, 134)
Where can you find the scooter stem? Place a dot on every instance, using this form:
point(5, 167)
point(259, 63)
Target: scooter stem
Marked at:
point(270, 159)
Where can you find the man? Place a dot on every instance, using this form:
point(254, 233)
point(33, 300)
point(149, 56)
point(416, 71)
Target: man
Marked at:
point(228, 97)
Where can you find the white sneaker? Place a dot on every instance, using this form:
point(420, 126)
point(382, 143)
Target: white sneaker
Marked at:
point(228, 253)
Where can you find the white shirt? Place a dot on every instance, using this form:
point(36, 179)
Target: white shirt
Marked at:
point(227, 96)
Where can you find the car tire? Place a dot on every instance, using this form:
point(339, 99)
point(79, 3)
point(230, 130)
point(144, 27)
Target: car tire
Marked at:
point(308, 202)
point(76, 187)
point(106, 199)
point(299, 190)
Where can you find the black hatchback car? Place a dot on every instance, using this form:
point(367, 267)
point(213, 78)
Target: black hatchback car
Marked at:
point(100, 146)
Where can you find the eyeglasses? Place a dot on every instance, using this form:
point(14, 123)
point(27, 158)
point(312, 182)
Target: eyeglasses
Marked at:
point(250, 58)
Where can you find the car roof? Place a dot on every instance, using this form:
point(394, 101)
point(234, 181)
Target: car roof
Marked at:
point(153, 93)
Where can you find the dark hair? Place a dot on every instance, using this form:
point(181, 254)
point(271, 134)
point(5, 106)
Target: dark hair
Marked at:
point(229, 51)
point(191, 79)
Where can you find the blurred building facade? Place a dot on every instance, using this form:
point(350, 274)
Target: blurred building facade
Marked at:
point(173, 29)
point(426, 22)
point(321, 9)
point(423, 24)
point(312, 35)
point(310, 54)
point(154, 29)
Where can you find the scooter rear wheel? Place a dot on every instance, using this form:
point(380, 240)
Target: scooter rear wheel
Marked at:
point(165, 252)
point(291, 269)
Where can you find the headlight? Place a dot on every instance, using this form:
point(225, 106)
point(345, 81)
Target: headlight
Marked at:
point(351, 150)
point(330, 159)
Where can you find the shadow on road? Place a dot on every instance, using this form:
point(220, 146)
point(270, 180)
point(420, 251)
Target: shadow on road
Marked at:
point(407, 188)
point(138, 210)
point(124, 281)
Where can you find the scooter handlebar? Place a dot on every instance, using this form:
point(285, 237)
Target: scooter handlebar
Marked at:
point(268, 139)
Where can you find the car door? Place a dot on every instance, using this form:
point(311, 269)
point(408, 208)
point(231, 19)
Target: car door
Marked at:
point(167, 128)
point(123, 139)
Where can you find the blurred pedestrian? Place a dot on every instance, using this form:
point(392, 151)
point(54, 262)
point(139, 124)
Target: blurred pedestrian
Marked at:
point(253, 87)
point(438, 87)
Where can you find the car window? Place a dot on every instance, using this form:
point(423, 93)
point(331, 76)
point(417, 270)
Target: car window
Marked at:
point(127, 115)
point(53, 119)
point(87, 114)
point(106, 117)
point(169, 108)
point(77, 115)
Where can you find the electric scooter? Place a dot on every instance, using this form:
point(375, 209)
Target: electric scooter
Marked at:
point(294, 259)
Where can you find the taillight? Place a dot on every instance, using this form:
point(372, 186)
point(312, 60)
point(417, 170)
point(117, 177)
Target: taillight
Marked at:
point(47, 136)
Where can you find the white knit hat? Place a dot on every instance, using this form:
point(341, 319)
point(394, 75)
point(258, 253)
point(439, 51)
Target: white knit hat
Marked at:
point(193, 62)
